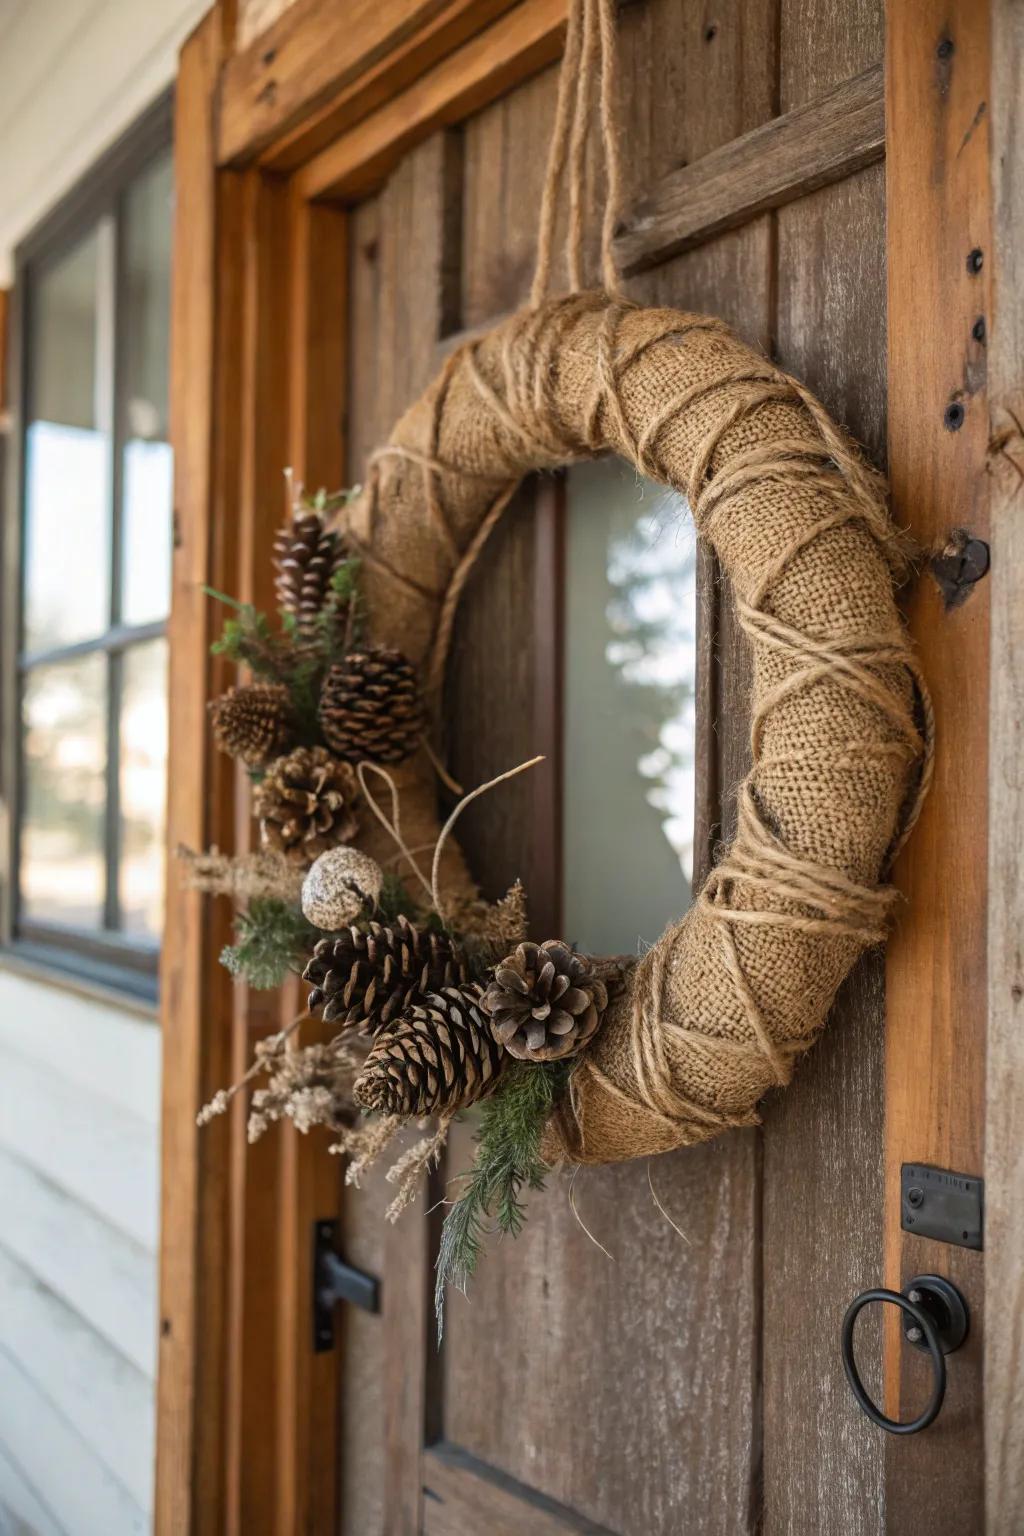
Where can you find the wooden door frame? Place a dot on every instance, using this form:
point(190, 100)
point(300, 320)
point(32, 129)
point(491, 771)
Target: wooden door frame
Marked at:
point(272, 143)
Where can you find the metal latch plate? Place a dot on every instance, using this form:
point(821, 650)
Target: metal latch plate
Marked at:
point(943, 1205)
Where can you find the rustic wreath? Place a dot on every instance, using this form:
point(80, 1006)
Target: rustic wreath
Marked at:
point(437, 1005)
point(719, 1009)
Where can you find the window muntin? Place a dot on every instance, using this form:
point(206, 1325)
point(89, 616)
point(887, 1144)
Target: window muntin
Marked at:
point(95, 578)
point(630, 708)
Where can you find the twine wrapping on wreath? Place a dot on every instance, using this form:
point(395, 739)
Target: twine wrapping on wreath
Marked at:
point(719, 1009)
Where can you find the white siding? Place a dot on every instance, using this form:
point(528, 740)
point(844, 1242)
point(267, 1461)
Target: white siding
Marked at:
point(79, 1134)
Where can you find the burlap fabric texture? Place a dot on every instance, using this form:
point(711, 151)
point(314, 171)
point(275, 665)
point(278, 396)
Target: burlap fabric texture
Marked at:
point(718, 1011)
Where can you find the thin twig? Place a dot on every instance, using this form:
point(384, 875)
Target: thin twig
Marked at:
point(395, 827)
point(453, 818)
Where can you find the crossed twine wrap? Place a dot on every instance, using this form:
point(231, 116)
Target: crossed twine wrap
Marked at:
point(717, 1012)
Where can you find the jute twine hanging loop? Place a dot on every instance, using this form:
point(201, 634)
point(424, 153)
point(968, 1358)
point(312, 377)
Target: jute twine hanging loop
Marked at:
point(718, 1011)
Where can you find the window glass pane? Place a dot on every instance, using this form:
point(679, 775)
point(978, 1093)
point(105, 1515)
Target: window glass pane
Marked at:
point(143, 787)
point(67, 557)
point(62, 856)
point(630, 709)
point(146, 463)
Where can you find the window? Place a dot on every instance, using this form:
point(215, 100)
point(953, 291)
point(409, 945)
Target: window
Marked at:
point(630, 708)
point(91, 552)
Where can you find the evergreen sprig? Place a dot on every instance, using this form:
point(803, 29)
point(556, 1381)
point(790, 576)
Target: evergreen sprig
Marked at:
point(508, 1163)
point(273, 940)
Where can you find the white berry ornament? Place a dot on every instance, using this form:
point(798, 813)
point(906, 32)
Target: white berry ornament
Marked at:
point(340, 883)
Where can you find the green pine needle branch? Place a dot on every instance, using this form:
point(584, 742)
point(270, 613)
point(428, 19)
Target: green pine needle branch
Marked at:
point(508, 1163)
point(273, 940)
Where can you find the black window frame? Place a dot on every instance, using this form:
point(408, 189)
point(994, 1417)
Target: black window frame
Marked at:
point(106, 958)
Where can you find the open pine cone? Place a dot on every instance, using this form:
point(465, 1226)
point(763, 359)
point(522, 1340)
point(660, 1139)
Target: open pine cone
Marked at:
point(438, 1057)
point(371, 707)
point(545, 1001)
point(254, 723)
point(368, 977)
point(306, 556)
point(305, 804)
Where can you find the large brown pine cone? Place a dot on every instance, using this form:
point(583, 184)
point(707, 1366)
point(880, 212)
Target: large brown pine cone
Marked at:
point(545, 1001)
point(254, 723)
point(367, 977)
point(306, 556)
point(305, 804)
point(438, 1057)
point(371, 707)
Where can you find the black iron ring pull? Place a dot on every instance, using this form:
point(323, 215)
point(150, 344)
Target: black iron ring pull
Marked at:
point(938, 1322)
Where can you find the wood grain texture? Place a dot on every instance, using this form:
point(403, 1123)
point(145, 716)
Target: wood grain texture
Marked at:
point(1004, 1125)
point(316, 51)
point(463, 1497)
point(938, 191)
point(792, 155)
point(662, 1341)
point(516, 46)
point(823, 1206)
point(823, 1210)
point(438, 36)
point(307, 1382)
point(196, 1057)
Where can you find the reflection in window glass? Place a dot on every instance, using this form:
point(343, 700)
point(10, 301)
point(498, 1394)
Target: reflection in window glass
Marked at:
point(67, 591)
point(62, 858)
point(146, 462)
point(629, 708)
point(143, 779)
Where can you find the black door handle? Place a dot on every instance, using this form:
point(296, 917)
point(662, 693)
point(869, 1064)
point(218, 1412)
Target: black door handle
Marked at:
point(935, 1319)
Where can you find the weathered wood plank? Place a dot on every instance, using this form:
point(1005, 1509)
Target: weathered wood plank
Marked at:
point(317, 49)
point(784, 159)
point(823, 1197)
point(196, 1045)
point(463, 1497)
point(518, 45)
point(1004, 1126)
point(104, 1398)
point(111, 1283)
point(440, 35)
point(938, 211)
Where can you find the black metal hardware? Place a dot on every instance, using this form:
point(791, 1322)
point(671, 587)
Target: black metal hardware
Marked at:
point(935, 1319)
point(964, 560)
point(334, 1281)
point(937, 1203)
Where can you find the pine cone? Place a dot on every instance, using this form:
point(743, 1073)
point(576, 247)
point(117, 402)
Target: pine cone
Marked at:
point(371, 707)
point(438, 1057)
point(305, 804)
point(368, 977)
point(254, 723)
point(545, 1001)
point(306, 556)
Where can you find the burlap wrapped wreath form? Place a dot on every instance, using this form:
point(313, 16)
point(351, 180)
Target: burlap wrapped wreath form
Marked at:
point(718, 1011)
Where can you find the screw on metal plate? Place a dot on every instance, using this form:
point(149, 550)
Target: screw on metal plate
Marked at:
point(946, 1206)
point(961, 562)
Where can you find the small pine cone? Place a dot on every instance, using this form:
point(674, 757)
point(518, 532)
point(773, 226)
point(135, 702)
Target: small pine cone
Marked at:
point(305, 804)
point(306, 556)
point(545, 1001)
point(367, 977)
point(371, 707)
point(254, 723)
point(438, 1057)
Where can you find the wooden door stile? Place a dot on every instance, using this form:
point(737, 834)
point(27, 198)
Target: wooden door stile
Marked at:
point(940, 258)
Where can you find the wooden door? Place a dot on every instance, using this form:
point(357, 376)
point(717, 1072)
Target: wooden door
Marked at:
point(376, 199)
